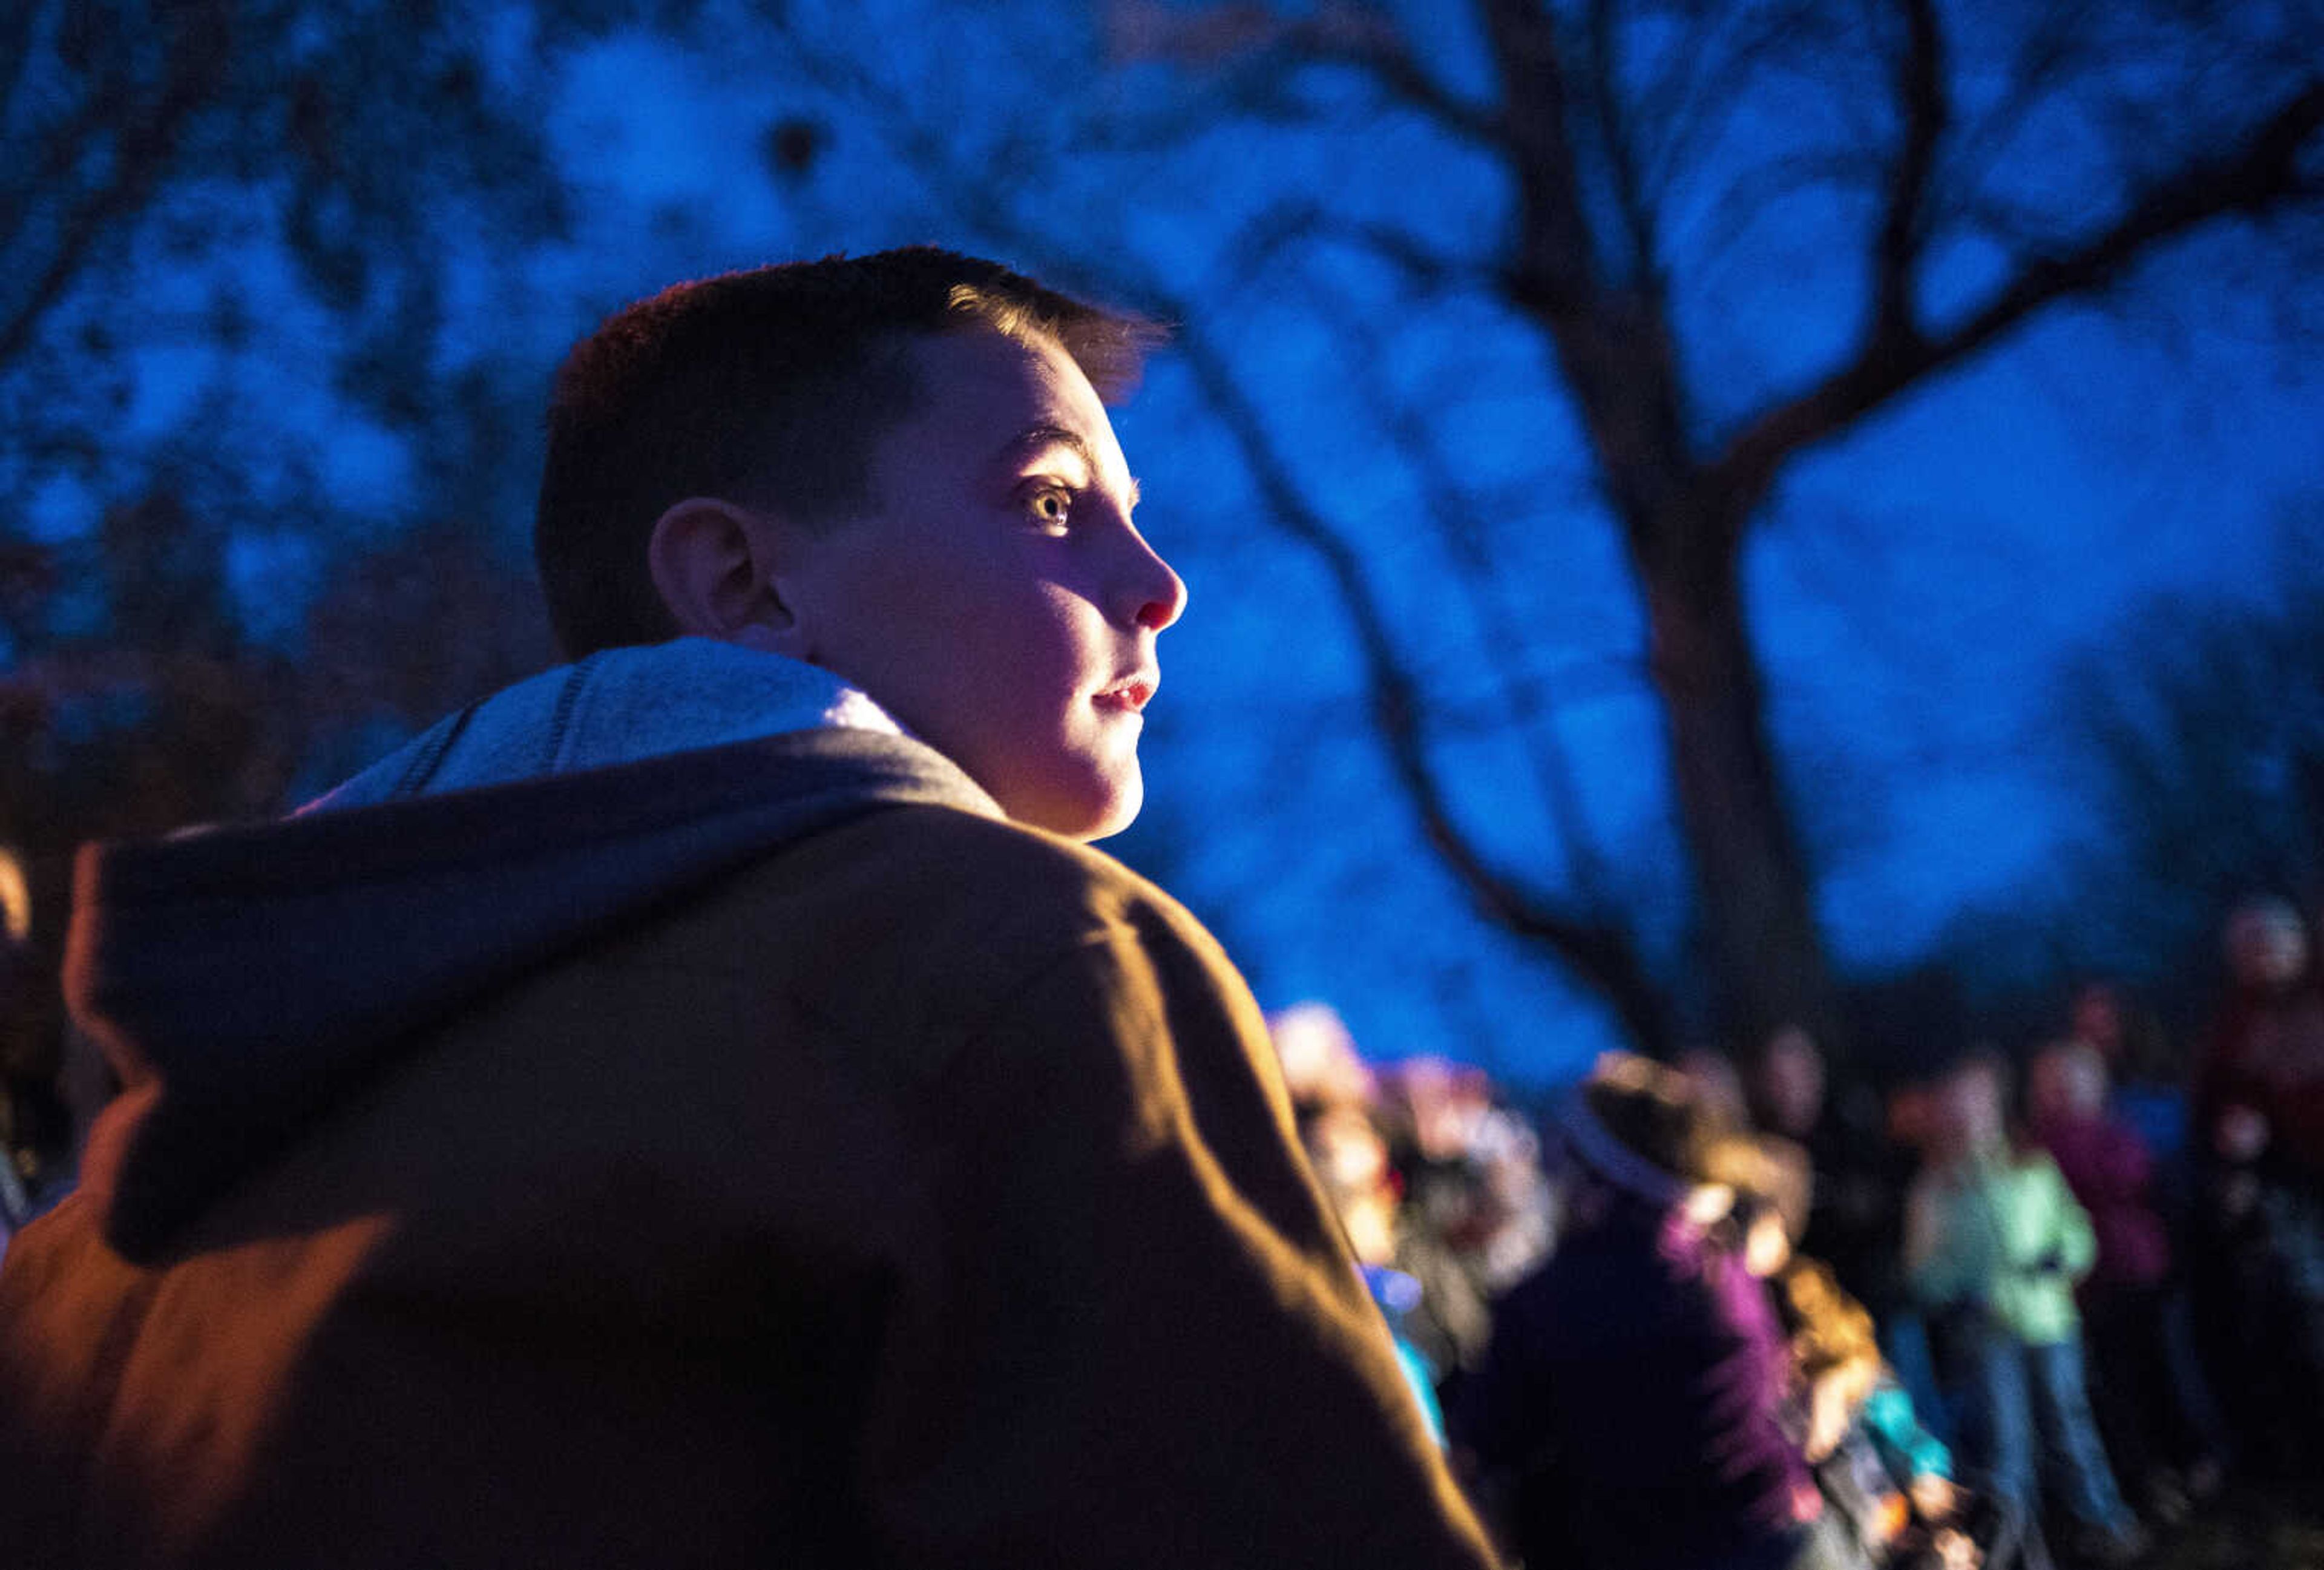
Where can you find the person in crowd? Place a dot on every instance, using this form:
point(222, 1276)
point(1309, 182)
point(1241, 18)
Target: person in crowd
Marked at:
point(1859, 1178)
point(2146, 1074)
point(2257, 1112)
point(2153, 1425)
point(1473, 1165)
point(1475, 1210)
point(1994, 1244)
point(1632, 1406)
point(706, 1103)
point(1353, 1130)
point(1343, 1144)
point(1885, 1479)
point(1908, 1124)
point(1321, 1066)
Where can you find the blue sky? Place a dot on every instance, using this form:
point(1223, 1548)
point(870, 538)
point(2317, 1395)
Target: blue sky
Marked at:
point(1916, 583)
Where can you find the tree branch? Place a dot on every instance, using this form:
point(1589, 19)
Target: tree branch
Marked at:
point(1373, 45)
point(2253, 180)
point(1524, 691)
point(1251, 50)
point(17, 25)
point(1709, 76)
point(1554, 272)
point(1601, 954)
point(1622, 164)
point(1262, 241)
point(199, 56)
point(1925, 110)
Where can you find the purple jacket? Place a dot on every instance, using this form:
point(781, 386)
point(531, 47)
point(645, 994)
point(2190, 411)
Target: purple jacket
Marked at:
point(2111, 1171)
point(1648, 1367)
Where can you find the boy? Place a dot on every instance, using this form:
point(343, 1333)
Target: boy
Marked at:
point(699, 1104)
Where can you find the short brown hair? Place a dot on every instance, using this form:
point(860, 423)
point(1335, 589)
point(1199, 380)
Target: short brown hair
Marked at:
point(769, 386)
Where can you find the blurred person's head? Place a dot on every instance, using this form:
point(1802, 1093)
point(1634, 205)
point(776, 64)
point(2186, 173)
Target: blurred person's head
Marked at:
point(1788, 1083)
point(2266, 945)
point(2094, 1017)
point(896, 466)
point(1444, 1103)
point(1321, 1066)
point(2066, 1082)
point(1912, 1116)
point(1972, 1111)
point(1647, 1132)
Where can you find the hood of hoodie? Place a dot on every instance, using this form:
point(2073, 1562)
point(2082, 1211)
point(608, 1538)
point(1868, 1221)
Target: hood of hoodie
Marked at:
point(243, 981)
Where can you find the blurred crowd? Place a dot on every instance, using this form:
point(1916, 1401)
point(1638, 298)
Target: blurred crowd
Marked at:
point(1728, 1312)
point(1732, 1312)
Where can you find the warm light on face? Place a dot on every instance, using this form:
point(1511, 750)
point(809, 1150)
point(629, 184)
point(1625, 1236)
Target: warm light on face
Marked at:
point(995, 597)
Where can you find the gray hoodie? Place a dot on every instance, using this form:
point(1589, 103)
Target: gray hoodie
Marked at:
point(244, 980)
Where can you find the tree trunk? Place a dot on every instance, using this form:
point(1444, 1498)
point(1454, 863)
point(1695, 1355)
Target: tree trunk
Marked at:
point(1754, 896)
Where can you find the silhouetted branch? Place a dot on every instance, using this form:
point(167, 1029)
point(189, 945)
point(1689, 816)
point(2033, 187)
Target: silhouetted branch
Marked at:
point(142, 146)
point(2257, 177)
point(17, 24)
point(1246, 57)
point(1265, 237)
point(1677, 117)
point(1601, 954)
point(1924, 110)
point(1524, 689)
point(1373, 44)
point(1631, 201)
point(1554, 272)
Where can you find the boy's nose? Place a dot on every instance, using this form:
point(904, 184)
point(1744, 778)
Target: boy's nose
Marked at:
point(1155, 593)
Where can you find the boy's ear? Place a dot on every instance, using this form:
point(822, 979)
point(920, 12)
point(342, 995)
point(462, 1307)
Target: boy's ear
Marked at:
point(716, 566)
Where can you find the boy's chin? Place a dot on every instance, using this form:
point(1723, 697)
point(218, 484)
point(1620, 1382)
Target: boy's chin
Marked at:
point(1103, 807)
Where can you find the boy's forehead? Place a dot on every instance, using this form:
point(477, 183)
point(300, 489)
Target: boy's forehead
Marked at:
point(996, 396)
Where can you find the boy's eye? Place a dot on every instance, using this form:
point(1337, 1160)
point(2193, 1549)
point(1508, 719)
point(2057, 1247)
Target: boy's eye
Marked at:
point(1050, 507)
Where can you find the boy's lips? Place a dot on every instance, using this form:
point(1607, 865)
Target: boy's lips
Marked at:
point(1130, 694)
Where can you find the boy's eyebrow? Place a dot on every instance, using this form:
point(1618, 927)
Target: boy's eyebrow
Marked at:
point(1034, 437)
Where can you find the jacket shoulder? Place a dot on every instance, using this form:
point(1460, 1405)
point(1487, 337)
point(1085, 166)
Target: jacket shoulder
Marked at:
point(923, 923)
point(1016, 888)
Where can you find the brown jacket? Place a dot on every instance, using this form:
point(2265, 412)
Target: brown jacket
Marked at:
point(892, 1186)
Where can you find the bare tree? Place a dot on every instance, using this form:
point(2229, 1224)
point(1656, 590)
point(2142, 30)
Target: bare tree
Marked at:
point(1965, 171)
point(2193, 735)
point(277, 201)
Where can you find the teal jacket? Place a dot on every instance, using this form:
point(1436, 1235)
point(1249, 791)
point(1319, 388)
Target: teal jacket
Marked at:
point(2000, 1231)
point(1906, 1449)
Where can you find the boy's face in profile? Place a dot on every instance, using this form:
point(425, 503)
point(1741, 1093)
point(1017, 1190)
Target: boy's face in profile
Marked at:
point(994, 597)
